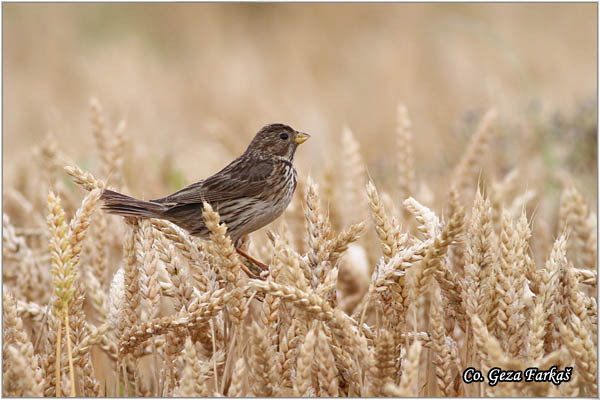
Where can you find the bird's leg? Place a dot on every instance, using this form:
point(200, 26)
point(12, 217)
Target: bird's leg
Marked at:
point(253, 260)
point(250, 273)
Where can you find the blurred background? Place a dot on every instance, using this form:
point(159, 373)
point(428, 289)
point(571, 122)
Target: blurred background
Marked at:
point(194, 82)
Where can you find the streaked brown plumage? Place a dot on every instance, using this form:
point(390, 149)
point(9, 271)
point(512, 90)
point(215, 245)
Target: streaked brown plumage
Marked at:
point(249, 193)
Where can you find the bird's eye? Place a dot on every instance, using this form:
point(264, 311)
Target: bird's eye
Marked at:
point(283, 136)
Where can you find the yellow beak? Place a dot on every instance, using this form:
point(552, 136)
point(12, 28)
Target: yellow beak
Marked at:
point(301, 137)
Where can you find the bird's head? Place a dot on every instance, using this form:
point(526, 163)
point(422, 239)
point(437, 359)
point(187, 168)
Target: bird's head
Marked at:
point(277, 140)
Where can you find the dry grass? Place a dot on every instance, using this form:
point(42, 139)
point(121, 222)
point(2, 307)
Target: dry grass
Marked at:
point(174, 315)
point(396, 267)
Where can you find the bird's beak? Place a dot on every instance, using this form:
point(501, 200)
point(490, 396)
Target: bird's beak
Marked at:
point(301, 137)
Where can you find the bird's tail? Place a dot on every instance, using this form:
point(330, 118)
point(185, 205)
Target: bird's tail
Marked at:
point(117, 203)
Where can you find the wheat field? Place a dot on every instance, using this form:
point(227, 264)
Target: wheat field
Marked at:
point(444, 221)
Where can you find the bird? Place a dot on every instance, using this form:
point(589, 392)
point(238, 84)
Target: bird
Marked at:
point(249, 193)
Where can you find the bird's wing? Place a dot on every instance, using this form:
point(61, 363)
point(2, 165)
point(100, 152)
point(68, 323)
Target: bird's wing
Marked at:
point(239, 179)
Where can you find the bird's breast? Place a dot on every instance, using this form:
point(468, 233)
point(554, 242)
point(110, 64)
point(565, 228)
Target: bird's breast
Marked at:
point(280, 190)
point(256, 212)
